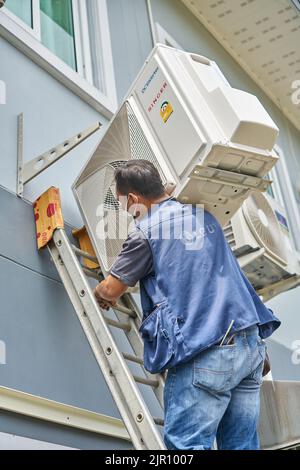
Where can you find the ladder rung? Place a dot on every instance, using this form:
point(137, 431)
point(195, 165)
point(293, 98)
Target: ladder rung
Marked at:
point(117, 324)
point(143, 380)
point(125, 310)
point(90, 273)
point(84, 254)
point(130, 357)
point(159, 421)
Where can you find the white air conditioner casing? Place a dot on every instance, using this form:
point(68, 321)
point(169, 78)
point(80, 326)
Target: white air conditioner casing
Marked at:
point(259, 236)
point(213, 141)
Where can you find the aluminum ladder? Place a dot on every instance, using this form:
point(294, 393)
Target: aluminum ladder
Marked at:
point(141, 426)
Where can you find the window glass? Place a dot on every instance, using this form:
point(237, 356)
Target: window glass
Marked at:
point(270, 189)
point(95, 43)
point(57, 29)
point(22, 9)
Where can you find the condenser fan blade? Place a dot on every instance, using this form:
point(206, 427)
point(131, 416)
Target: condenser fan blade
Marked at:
point(265, 226)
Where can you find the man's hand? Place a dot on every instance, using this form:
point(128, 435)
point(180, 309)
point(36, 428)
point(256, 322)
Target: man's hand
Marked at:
point(108, 292)
point(104, 304)
point(267, 365)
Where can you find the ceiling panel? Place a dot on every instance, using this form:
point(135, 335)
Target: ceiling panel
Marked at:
point(264, 38)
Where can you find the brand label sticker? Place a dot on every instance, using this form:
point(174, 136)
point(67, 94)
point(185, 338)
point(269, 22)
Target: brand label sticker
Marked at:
point(166, 110)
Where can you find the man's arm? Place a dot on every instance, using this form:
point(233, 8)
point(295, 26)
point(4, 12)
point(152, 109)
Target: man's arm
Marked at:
point(133, 263)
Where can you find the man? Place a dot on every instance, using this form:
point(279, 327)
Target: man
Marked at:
point(203, 321)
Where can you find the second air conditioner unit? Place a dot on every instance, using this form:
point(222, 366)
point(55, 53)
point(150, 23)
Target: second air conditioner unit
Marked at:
point(259, 236)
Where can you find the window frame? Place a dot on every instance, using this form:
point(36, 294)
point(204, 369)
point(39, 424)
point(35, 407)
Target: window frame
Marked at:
point(106, 74)
point(286, 196)
point(28, 40)
point(35, 30)
point(276, 187)
point(81, 43)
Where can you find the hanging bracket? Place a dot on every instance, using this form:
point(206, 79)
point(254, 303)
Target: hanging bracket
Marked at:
point(29, 170)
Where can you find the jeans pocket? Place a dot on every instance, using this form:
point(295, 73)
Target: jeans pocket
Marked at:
point(213, 368)
point(156, 331)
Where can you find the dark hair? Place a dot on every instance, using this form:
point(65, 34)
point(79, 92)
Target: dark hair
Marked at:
point(141, 177)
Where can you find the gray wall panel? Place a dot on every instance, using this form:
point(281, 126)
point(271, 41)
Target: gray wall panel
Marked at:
point(47, 353)
point(131, 40)
point(18, 235)
point(52, 114)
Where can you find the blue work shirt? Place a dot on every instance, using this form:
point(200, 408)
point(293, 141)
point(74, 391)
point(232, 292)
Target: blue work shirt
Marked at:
point(192, 288)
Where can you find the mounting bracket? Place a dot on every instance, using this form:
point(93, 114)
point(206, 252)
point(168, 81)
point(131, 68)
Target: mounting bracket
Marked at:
point(29, 170)
point(283, 285)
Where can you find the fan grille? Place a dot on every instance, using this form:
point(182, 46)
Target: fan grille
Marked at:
point(139, 145)
point(107, 223)
point(121, 223)
point(264, 226)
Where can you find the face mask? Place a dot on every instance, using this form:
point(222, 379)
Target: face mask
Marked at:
point(124, 206)
point(123, 200)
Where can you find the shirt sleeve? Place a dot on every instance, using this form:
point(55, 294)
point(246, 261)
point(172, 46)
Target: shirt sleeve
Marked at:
point(135, 260)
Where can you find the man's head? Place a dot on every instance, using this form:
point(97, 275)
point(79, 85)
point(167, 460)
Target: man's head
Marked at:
point(138, 183)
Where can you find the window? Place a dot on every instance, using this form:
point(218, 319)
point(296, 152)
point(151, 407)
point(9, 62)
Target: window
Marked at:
point(25, 13)
point(286, 196)
point(282, 191)
point(56, 24)
point(57, 29)
point(96, 46)
point(273, 190)
point(75, 34)
point(21, 9)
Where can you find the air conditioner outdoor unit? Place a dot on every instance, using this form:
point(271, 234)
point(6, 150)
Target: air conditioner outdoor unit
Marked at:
point(213, 141)
point(260, 239)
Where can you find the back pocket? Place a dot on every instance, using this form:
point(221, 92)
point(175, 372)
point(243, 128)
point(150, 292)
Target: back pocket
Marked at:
point(213, 368)
point(157, 333)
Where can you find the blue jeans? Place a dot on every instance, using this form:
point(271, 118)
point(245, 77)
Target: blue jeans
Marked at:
point(216, 395)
